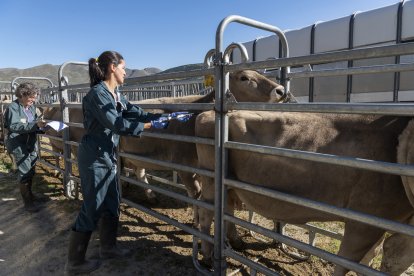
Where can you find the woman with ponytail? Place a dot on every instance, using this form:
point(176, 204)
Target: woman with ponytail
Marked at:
point(107, 115)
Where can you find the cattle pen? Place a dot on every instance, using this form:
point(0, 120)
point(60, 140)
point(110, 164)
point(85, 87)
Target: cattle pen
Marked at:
point(372, 78)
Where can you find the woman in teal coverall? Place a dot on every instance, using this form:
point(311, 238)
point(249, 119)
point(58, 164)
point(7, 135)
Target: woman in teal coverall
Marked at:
point(107, 115)
point(21, 121)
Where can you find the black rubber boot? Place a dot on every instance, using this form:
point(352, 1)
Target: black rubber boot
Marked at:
point(76, 264)
point(34, 197)
point(107, 236)
point(27, 199)
point(29, 185)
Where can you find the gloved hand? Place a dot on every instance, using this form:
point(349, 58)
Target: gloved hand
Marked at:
point(182, 116)
point(160, 123)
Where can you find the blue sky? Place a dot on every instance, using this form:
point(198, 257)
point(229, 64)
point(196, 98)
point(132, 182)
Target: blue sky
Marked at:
point(154, 33)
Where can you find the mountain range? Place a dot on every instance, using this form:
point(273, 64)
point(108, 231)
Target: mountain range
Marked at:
point(76, 73)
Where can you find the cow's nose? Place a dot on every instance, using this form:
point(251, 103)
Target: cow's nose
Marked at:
point(280, 90)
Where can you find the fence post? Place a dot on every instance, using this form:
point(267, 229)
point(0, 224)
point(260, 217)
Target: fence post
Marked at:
point(3, 138)
point(70, 187)
point(68, 184)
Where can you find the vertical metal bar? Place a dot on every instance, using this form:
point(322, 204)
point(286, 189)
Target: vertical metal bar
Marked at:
point(70, 187)
point(350, 62)
point(2, 117)
point(2, 127)
point(398, 58)
point(254, 50)
point(219, 261)
point(312, 51)
point(280, 49)
point(68, 184)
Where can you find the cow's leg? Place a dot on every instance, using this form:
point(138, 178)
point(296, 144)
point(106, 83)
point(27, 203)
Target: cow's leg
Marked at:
point(206, 216)
point(205, 219)
point(192, 185)
point(373, 252)
point(234, 239)
point(141, 175)
point(357, 241)
point(398, 253)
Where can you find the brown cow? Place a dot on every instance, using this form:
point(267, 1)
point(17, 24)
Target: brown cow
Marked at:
point(361, 136)
point(245, 85)
point(76, 116)
point(398, 248)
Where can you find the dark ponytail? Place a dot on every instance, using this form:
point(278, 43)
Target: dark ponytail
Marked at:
point(98, 67)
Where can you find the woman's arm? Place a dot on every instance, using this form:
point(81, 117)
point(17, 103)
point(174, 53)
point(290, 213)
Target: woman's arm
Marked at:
point(104, 110)
point(13, 122)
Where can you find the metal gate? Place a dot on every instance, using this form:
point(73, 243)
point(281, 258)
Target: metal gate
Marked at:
point(222, 144)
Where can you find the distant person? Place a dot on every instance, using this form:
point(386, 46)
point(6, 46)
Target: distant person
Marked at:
point(107, 115)
point(22, 123)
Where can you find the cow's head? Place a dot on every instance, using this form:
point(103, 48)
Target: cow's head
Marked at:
point(251, 86)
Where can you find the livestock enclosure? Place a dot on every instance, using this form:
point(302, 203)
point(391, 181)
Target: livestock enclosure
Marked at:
point(358, 74)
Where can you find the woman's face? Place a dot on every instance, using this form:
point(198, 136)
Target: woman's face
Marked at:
point(27, 101)
point(120, 72)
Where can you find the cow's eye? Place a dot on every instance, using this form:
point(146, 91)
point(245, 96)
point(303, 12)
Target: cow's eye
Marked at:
point(243, 78)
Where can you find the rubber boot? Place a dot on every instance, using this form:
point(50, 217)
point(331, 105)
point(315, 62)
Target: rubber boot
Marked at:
point(34, 197)
point(27, 199)
point(107, 236)
point(76, 264)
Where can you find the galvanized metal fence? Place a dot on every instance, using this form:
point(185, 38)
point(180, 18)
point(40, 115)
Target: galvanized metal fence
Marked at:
point(222, 144)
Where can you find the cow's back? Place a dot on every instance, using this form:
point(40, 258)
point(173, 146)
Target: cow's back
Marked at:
point(360, 136)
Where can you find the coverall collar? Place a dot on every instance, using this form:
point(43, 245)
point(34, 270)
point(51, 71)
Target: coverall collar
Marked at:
point(118, 95)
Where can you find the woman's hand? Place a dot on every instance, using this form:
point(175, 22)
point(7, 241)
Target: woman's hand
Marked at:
point(41, 124)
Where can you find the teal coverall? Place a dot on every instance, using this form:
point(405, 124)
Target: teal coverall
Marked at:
point(105, 119)
point(21, 138)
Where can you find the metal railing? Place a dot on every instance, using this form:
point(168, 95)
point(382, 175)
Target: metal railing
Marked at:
point(222, 144)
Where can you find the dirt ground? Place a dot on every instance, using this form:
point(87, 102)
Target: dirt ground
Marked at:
point(36, 244)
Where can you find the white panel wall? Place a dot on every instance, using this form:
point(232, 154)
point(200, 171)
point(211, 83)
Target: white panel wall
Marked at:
point(371, 29)
point(375, 26)
point(331, 36)
point(299, 41)
point(299, 45)
point(267, 47)
point(408, 21)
